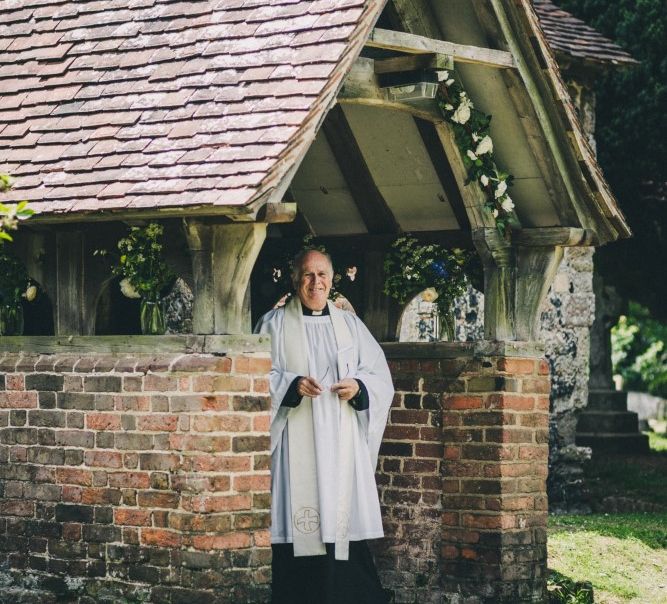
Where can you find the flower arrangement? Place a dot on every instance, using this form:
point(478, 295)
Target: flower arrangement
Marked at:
point(144, 273)
point(471, 131)
point(11, 213)
point(141, 265)
point(15, 286)
point(440, 274)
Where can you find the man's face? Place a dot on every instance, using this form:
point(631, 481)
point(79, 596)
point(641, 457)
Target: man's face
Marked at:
point(315, 281)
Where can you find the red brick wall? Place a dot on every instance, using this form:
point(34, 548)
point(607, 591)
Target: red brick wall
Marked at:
point(462, 475)
point(135, 476)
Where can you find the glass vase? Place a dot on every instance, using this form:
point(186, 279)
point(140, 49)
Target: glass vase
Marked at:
point(152, 317)
point(447, 326)
point(11, 320)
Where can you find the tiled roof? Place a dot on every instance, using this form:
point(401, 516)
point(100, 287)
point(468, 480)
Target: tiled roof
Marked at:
point(571, 36)
point(130, 104)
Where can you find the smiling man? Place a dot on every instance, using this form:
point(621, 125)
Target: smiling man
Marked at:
point(330, 391)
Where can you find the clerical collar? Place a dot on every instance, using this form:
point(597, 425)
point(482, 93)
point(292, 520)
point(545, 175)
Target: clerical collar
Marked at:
point(315, 313)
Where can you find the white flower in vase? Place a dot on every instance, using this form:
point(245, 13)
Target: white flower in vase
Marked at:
point(128, 289)
point(471, 155)
point(484, 179)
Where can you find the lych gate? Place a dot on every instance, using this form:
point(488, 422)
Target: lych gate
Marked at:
point(138, 465)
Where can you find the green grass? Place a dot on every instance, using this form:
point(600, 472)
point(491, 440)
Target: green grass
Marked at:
point(657, 442)
point(624, 556)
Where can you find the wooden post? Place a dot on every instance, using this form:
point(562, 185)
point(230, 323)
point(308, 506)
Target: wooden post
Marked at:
point(76, 290)
point(223, 256)
point(516, 281)
point(381, 313)
point(199, 237)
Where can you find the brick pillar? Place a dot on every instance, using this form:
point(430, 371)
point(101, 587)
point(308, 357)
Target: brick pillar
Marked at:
point(495, 468)
point(462, 474)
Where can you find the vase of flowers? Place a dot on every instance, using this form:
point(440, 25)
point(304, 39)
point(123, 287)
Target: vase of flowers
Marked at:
point(439, 274)
point(15, 286)
point(145, 274)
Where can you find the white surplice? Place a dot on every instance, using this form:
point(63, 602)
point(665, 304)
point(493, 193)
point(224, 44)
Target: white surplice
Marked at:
point(364, 361)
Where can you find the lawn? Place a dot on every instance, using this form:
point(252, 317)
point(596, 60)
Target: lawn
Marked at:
point(623, 556)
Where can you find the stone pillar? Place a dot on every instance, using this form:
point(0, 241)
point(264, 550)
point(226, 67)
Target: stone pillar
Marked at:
point(606, 425)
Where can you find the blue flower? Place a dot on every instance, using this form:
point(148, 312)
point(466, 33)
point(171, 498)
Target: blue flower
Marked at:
point(439, 269)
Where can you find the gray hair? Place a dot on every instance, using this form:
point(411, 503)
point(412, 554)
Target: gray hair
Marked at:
point(297, 263)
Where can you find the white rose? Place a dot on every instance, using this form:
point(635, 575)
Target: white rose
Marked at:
point(471, 155)
point(485, 146)
point(500, 189)
point(449, 82)
point(30, 293)
point(443, 75)
point(449, 107)
point(495, 212)
point(462, 114)
point(507, 204)
point(429, 295)
point(484, 179)
point(475, 137)
point(128, 290)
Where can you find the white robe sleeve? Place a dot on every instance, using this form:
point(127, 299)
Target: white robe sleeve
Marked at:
point(280, 379)
point(373, 371)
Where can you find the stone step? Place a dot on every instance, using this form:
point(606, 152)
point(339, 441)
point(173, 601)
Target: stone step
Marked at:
point(607, 400)
point(615, 422)
point(614, 443)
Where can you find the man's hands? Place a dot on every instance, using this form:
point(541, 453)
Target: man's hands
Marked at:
point(309, 386)
point(345, 389)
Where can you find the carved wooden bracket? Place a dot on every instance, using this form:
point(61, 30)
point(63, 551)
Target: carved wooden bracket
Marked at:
point(516, 280)
point(223, 256)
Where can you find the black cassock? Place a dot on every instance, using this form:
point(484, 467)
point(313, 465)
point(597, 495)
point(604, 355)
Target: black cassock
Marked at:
point(323, 579)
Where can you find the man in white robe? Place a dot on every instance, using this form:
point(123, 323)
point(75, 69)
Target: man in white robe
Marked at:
point(331, 391)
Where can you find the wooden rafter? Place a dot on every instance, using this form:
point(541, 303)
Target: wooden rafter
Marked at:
point(371, 204)
point(410, 43)
point(440, 162)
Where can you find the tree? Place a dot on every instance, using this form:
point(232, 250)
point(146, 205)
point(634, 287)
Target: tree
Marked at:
point(632, 144)
point(11, 213)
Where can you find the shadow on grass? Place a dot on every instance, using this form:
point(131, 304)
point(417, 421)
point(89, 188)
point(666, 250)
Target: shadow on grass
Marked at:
point(640, 477)
point(650, 529)
point(564, 590)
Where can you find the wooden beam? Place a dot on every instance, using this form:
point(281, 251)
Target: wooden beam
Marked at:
point(361, 88)
point(437, 62)
point(410, 43)
point(551, 236)
point(233, 212)
point(372, 206)
point(440, 162)
point(277, 212)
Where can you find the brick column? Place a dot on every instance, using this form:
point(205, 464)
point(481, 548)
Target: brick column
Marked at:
point(463, 474)
point(495, 469)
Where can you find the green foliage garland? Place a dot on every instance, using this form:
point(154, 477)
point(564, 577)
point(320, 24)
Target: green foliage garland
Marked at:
point(471, 132)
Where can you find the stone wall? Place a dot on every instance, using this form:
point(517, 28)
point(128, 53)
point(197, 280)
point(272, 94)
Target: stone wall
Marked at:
point(462, 474)
point(135, 476)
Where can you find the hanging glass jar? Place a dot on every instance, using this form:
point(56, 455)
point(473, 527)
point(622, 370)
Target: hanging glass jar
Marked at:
point(152, 317)
point(11, 320)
